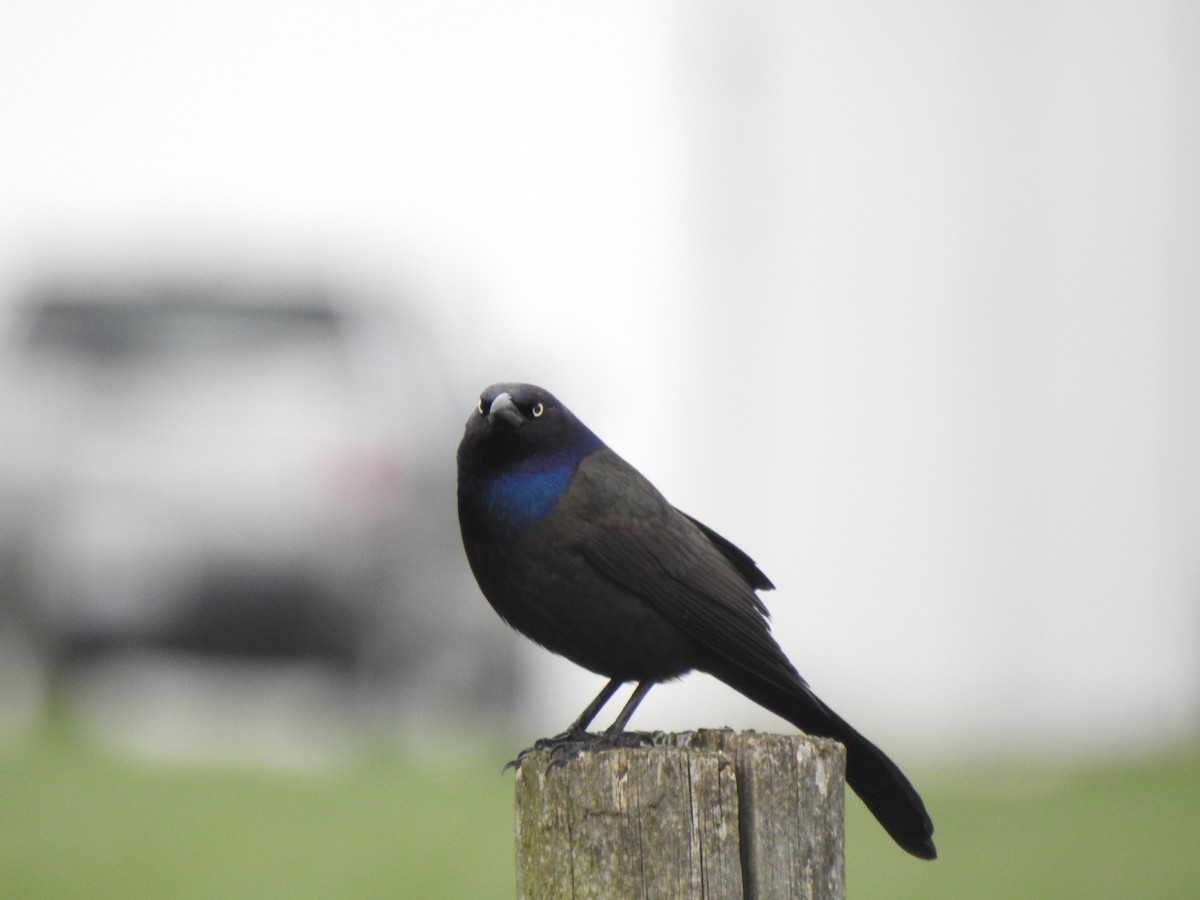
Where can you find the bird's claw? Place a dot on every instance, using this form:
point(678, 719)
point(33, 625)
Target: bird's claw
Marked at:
point(571, 743)
point(546, 743)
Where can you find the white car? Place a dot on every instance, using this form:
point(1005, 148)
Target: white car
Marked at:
point(241, 470)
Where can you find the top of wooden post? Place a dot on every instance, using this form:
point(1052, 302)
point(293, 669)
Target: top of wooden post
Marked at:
point(698, 814)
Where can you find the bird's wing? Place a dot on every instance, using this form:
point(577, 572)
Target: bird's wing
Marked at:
point(738, 557)
point(638, 540)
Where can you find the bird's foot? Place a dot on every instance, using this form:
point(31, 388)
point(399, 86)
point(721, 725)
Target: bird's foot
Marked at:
point(572, 742)
point(570, 736)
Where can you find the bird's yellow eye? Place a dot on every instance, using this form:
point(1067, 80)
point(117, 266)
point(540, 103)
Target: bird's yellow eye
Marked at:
point(480, 406)
point(537, 410)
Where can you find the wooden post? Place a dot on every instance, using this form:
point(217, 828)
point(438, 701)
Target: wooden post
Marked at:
point(703, 814)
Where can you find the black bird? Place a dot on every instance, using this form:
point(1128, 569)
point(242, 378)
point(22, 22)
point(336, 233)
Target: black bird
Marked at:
point(575, 549)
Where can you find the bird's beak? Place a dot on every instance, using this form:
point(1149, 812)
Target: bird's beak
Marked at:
point(504, 409)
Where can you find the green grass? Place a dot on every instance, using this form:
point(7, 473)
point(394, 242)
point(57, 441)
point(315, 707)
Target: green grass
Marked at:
point(1114, 830)
point(76, 822)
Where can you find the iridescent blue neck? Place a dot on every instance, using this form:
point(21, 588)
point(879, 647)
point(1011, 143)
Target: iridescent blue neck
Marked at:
point(522, 497)
point(523, 494)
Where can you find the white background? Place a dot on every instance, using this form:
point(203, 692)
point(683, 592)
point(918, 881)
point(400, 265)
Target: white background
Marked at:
point(901, 298)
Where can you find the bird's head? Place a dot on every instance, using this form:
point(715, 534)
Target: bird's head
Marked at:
point(517, 424)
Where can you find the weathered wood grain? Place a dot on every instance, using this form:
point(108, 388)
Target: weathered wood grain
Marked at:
point(706, 814)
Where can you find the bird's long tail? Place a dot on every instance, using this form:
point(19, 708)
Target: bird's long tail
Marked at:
point(877, 780)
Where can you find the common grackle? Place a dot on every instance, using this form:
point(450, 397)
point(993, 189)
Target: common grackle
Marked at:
point(575, 549)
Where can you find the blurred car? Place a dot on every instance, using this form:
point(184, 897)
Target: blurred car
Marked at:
point(232, 469)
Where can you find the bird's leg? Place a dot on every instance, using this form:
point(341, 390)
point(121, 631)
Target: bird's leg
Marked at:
point(579, 726)
point(613, 736)
point(576, 732)
point(576, 740)
point(626, 713)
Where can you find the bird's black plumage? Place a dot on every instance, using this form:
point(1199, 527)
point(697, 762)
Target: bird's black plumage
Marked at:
point(575, 549)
